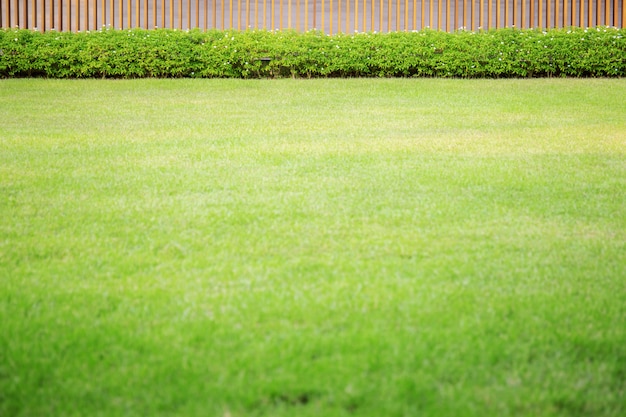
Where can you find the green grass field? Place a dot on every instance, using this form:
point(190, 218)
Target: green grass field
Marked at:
point(359, 247)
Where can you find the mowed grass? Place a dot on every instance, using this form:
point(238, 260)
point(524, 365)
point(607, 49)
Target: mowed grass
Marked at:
point(313, 247)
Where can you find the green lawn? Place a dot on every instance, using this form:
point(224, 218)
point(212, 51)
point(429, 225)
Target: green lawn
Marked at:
point(361, 247)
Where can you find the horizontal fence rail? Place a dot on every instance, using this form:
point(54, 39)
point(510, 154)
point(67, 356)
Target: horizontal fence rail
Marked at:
point(330, 16)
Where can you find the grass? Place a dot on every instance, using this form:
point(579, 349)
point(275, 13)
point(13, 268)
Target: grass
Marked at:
point(313, 247)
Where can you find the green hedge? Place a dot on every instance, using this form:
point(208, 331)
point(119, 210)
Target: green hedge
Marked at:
point(597, 52)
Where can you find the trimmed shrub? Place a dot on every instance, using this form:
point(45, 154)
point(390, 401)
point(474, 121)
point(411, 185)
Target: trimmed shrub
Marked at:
point(573, 52)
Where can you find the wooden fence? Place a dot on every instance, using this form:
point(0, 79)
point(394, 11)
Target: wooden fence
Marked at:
point(331, 16)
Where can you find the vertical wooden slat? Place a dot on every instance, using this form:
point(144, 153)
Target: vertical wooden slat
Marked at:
point(29, 17)
point(179, 22)
point(557, 22)
point(532, 14)
point(348, 16)
point(238, 14)
point(373, 14)
point(497, 17)
point(381, 8)
point(25, 23)
point(448, 15)
point(406, 15)
point(505, 14)
point(365, 14)
point(496, 14)
point(590, 13)
point(439, 15)
point(189, 14)
point(540, 14)
point(60, 15)
point(170, 22)
point(7, 13)
point(549, 22)
point(623, 16)
point(197, 11)
point(514, 14)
